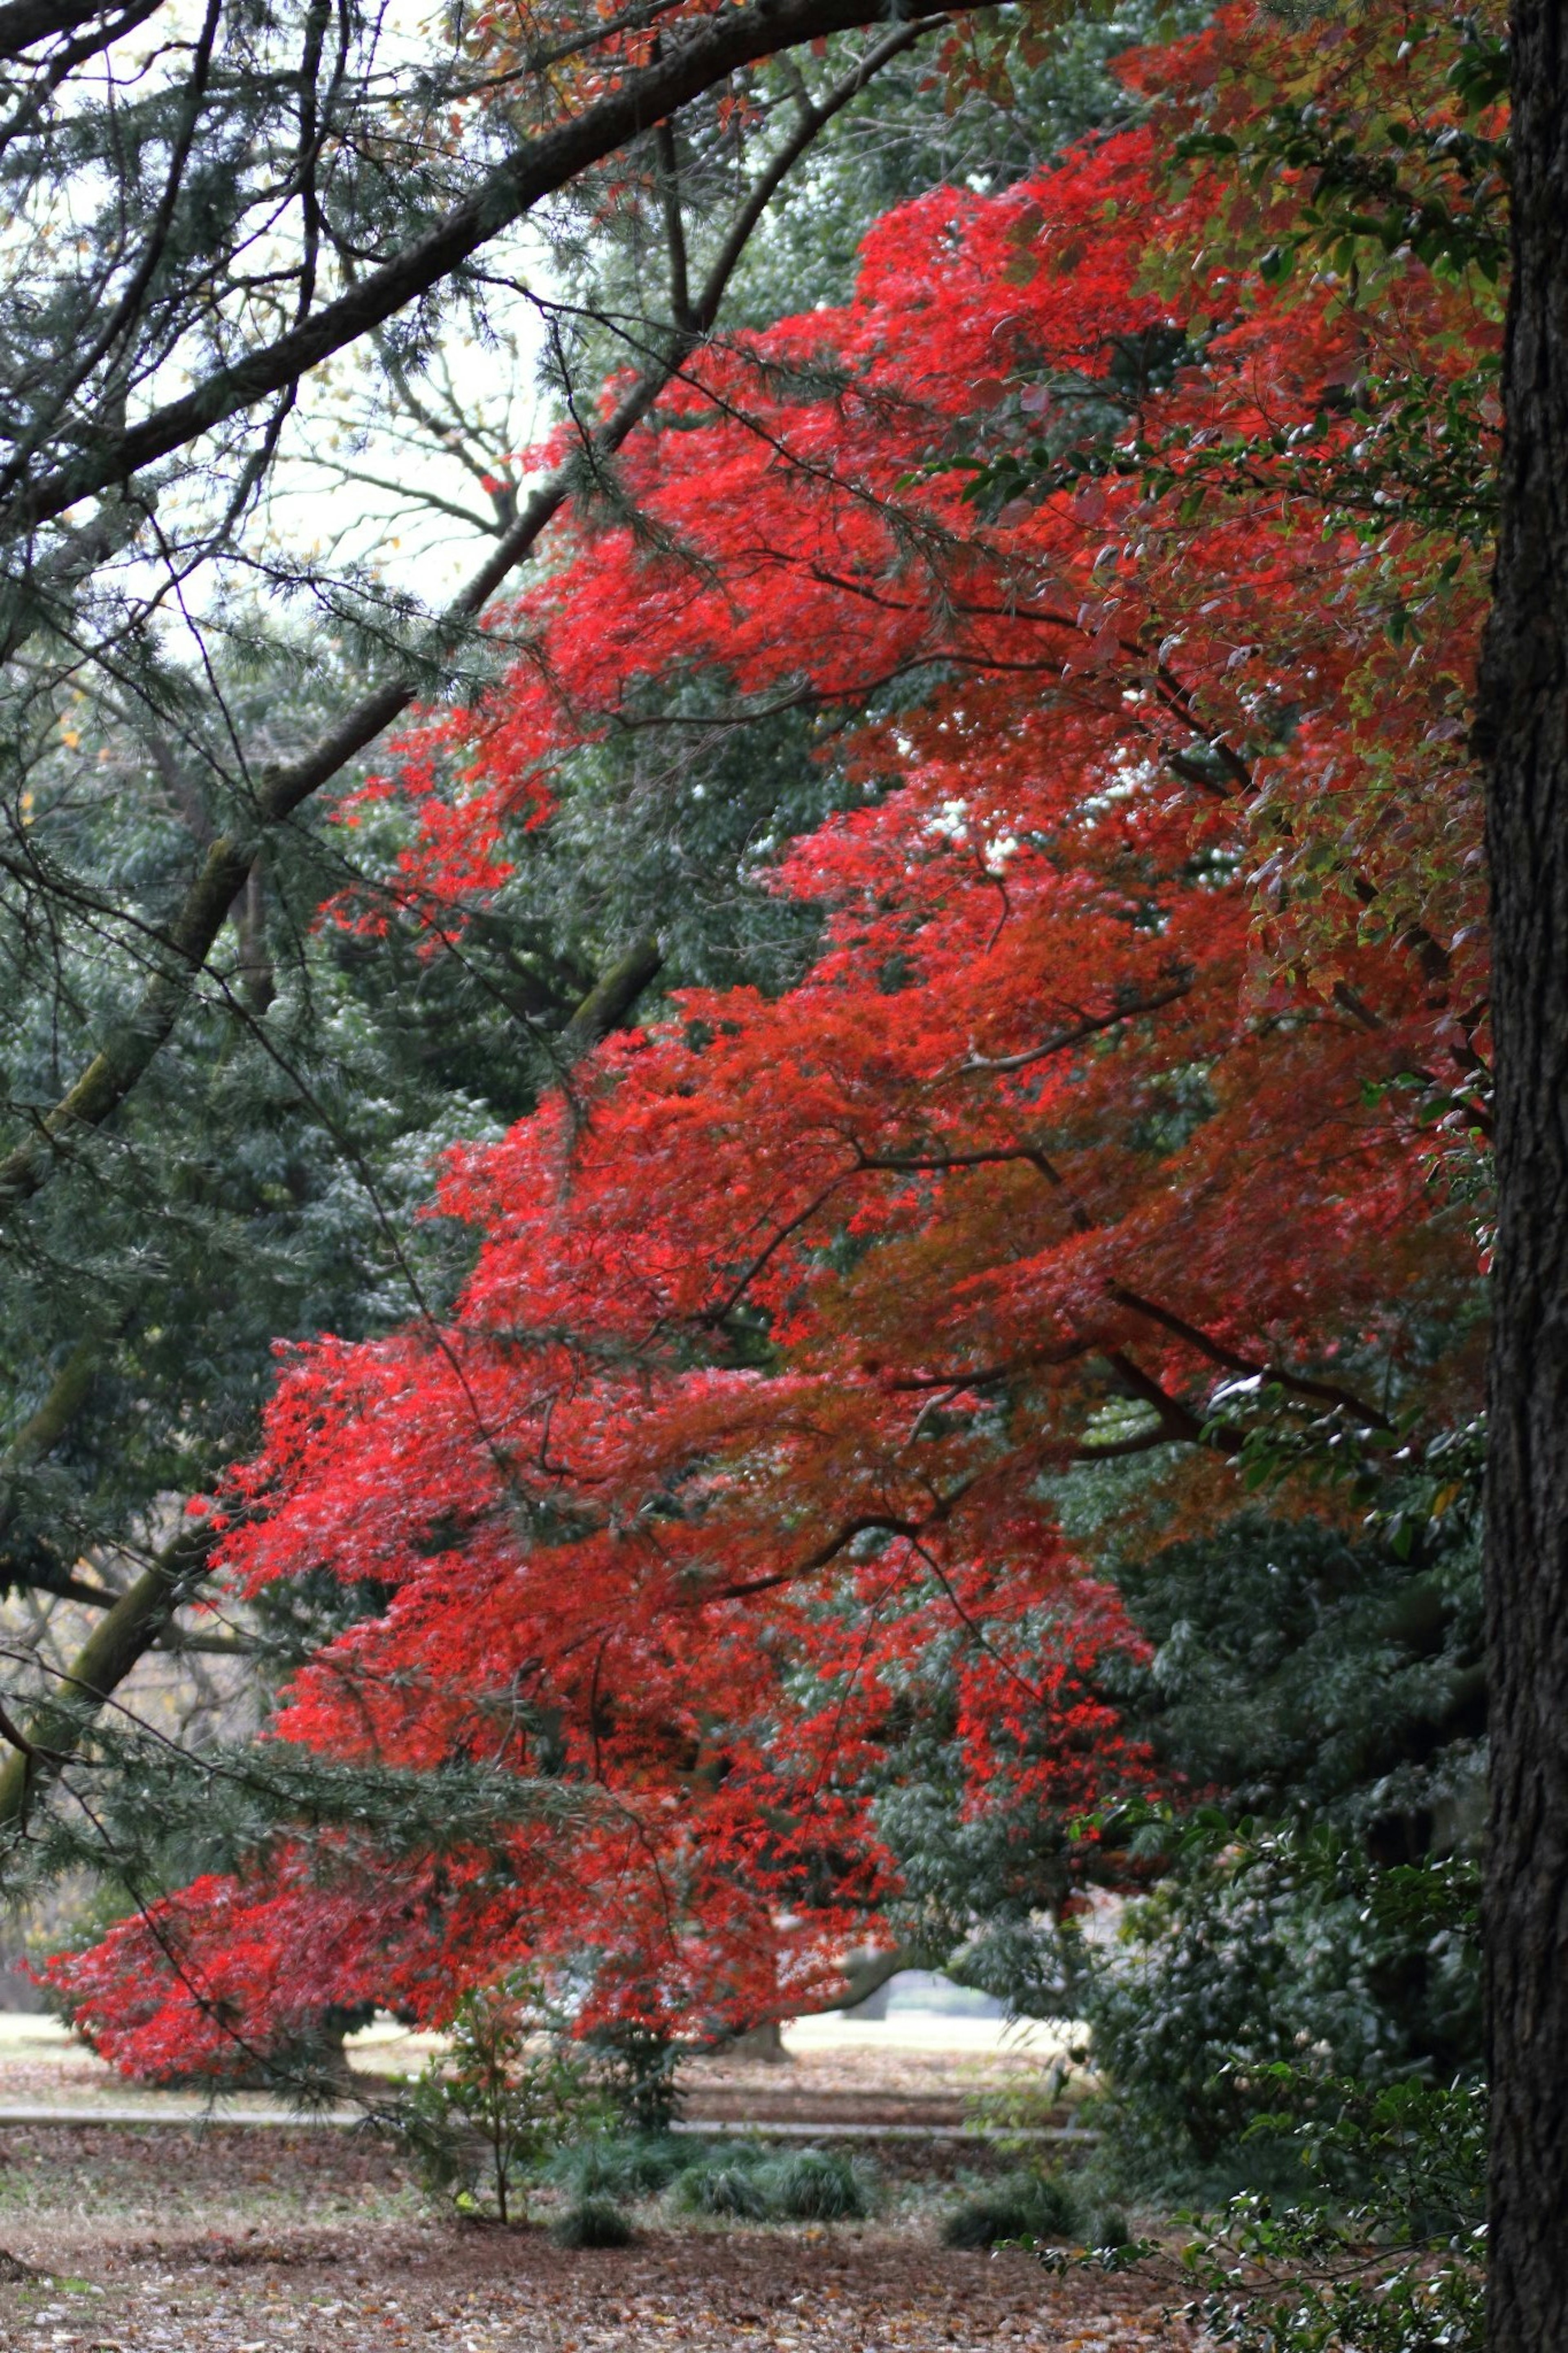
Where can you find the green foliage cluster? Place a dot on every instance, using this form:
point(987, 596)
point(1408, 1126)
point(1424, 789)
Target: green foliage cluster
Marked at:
point(1301, 1666)
point(1376, 2246)
point(593, 2223)
point(738, 2181)
point(518, 2100)
point(640, 2069)
point(1266, 1948)
point(747, 2182)
point(1023, 2206)
point(1325, 1672)
point(511, 2087)
point(1398, 2271)
point(618, 2166)
point(1328, 1679)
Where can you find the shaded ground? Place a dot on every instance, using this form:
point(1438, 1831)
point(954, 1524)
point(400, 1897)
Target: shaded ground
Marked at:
point(215, 2237)
point(225, 2239)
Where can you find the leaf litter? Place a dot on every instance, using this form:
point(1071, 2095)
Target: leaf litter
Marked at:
point(202, 2242)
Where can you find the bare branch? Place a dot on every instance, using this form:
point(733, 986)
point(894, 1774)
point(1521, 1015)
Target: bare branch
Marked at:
point(642, 97)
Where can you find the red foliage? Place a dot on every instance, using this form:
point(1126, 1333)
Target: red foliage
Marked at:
point(785, 1315)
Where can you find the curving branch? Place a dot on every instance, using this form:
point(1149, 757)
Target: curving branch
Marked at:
point(1232, 1360)
point(641, 99)
point(25, 23)
point(181, 956)
point(121, 1637)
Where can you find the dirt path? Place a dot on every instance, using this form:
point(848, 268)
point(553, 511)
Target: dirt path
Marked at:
point(233, 2241)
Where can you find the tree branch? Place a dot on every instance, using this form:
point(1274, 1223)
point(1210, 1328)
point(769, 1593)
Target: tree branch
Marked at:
point(44, 1428)
point(611, 998)
point(119, 1640)
point(642, 98)
point(115, 1072)
point(1092, 1026)
point(1233, 1361)
point(27, 22)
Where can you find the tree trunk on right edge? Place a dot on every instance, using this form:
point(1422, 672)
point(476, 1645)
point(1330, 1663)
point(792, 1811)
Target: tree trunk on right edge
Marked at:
point(1522, 735)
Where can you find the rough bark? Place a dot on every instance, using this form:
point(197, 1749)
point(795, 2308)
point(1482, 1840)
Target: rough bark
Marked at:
point(1522, 735)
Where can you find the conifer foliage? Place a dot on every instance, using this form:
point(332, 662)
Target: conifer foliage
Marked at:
point(1121, 540)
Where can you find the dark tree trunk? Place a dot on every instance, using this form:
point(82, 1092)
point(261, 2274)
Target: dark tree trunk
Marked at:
point(1522, 734)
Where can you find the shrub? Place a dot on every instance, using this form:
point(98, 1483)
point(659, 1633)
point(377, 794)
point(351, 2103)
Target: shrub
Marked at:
point(512, 2086)
point(1299, 2281)
point(617, 2165)
point(640, 2074)
point(748, 2183)
point(1263, 1944)
point(1401, 2270)
point(816, 2185)
point(593, 2223)
point(1023, 2206)
point(732, 2184)
point(1109, 2228)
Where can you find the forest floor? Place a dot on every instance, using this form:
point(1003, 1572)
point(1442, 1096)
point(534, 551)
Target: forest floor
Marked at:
point(225, 2238)
point(166, 2233)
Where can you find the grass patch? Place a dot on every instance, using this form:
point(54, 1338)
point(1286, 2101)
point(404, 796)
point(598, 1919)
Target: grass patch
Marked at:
point(617, 2166)
point(730, 2186)
point(816, 2185)
point(593, 2223)
point(1109, 2227)
point(1021, 2206)
point(752, 2184)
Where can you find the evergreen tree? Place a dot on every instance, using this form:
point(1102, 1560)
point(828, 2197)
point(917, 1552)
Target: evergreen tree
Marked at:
point(217, 1119)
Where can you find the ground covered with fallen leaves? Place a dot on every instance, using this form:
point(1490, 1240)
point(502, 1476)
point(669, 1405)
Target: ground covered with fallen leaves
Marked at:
point(226, 2239)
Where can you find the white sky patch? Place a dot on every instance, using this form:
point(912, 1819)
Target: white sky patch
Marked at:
point(356, 487)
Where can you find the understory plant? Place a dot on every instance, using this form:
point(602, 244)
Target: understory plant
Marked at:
point(1382, 2247)
point(639, 2068)
point(1270, 1954)
point(1021, 2206)
point(593, 2223)
point(512, 2086)
point(1399, 2270)
point(748, 2182)
point(617, 2166)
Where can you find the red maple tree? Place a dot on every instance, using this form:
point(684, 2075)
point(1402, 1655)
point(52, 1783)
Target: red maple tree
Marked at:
point(1125, 568)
